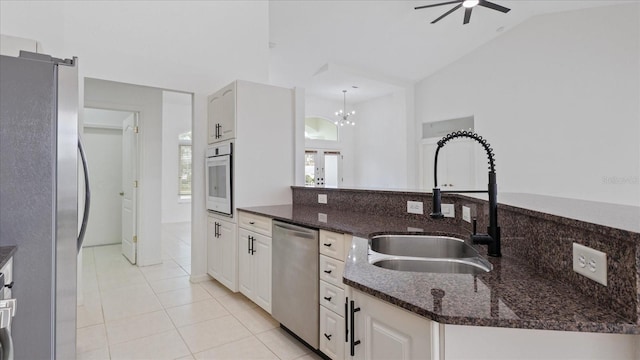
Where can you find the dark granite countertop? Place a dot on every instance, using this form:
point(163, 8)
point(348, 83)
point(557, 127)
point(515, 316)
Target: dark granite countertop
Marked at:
point(6, 252)
point(512, 295)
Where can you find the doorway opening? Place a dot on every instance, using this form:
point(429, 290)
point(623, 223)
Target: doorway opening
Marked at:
point(110, 138)
point(323, 168)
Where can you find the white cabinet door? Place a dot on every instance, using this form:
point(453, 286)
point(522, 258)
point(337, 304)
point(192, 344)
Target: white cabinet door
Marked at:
point(331, 334)
point(255, 267)
point(214, 250)
point(221, 114)
point(245, 264)
point(228, 243)
point(262, 271)
point(388, 332)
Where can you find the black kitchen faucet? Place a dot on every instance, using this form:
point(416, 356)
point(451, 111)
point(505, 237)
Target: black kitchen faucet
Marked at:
point(492, 238)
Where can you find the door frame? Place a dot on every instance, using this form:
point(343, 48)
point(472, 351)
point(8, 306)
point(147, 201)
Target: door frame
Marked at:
point(137, 110)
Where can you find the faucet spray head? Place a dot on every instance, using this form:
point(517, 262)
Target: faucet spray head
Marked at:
point(437, 202)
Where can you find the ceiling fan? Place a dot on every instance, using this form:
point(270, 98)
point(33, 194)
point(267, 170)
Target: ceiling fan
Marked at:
point(468, 7)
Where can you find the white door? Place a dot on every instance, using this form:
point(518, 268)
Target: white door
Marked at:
point(129, 187)
point(105, 177)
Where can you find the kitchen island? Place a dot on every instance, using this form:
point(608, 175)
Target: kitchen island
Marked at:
point(512, 295)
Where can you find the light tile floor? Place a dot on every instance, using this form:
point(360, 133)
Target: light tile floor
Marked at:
point(155, 312)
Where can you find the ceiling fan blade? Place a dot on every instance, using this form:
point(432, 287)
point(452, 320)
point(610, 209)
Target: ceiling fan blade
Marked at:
point(447, 13)
point(493, 6)
point(467, 15)
point(444, 3)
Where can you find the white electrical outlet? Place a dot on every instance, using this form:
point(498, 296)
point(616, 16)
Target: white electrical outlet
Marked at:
point(590, 263)
point(322, 198)
point(415, 207)
point(448, 210)
point(466, 214)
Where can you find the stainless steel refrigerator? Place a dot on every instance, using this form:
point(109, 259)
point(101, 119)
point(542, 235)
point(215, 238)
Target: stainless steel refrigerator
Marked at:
point(39, 171)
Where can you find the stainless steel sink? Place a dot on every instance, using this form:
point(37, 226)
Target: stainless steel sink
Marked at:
point(425, 253)
point(422, 246)
point(433, 266)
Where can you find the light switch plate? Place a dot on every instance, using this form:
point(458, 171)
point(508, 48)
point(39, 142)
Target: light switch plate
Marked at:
point(415, 207)
point(466, 214)
point(322, 198)
point(448, 210)
point(590, 263)
point(322, 217)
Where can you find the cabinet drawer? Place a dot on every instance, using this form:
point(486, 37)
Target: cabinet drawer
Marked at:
point(331, 271)
point(332, 340)
point(332, 297)
point(255, 223)
point(332, 244)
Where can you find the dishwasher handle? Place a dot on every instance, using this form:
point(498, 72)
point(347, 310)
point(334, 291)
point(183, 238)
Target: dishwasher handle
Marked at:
point(297, 231)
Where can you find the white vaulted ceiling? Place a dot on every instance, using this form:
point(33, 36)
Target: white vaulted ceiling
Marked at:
point(384, 39)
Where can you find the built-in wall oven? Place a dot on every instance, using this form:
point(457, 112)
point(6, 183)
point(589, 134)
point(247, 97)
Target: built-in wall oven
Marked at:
point(219, 172)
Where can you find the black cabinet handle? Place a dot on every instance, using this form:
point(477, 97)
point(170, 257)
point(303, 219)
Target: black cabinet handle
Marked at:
point(9, 285)
point(248, 244)
point(327, 271)
point(253, 245)
point(251, 222)
point(354, 342)
point(328, 298)
point(346, 320)
point(328, 336)
point(327, 245)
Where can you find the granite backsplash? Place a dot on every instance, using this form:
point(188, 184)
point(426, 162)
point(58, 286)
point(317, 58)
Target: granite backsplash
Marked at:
point(538, 240)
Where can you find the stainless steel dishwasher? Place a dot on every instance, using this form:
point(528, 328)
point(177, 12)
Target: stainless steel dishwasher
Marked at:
point(295, 290)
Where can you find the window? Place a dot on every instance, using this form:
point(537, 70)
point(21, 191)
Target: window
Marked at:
point(317, 128)
point(184, 165)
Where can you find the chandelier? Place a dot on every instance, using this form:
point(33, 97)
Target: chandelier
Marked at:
point(343, 114)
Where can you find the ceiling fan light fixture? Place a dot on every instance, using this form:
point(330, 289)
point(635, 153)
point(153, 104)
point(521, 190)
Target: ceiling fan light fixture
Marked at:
point(470, 3)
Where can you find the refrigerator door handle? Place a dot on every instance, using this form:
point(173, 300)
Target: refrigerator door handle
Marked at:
point(87, 194)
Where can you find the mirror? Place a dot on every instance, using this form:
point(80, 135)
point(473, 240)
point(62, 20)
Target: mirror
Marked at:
point(555, 97)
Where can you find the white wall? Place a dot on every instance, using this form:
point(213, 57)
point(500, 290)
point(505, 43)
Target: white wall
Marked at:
point(375, 152)
point(319, 107)
point(557, 98)
point(176, 120)
point(380, 138)
point(179, 45)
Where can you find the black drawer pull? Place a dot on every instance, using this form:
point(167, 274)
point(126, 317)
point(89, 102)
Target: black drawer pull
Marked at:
point(251, 222)
point(328, 298)
point(327, 271)
point(354, 342)
point(327, 245)
point(9, 285)
point(328, 336)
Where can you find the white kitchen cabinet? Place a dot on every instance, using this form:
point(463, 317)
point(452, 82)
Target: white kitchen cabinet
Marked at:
point(333, 248)
point(332, 334)
point(221, 114)
point(254, 260)
point(384, 331)
point(222, 252)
